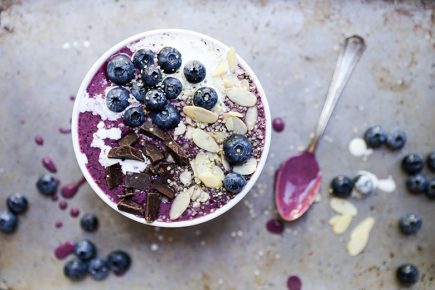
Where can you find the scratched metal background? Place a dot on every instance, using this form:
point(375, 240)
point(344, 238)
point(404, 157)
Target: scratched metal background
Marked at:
point(292, 45)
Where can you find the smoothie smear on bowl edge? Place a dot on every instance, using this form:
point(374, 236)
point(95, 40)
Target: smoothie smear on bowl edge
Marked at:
point(171, 126)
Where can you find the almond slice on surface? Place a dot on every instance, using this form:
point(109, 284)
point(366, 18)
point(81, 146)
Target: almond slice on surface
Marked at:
point(200, 114)
point(225, 163)
point(239, 126)
point(179, 205)
point(219, 136)
point(222, 68)
point(245, 84)
point(359, 236)
point(342, 206)
point(246, 168)
point(242, 97)
point(251, 117)
point(340, 223)
point(202, 163)
point(232, 58)
point(228, 81)
point(204, 141)
point(232, 114)
point(210, 180)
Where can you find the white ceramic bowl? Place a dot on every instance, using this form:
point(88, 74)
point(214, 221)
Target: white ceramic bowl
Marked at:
point(91, 181)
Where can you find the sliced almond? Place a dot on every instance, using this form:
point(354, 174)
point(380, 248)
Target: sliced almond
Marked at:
point(217, 171)
point(204, 141)
point(225, 163)
point(210, 180)
point(232, 58)
point(251, 117)
point(202, 163)
point(221, 69)
point(200, 114)
point(359, 236)
point(219, 136)
point(228, 81)
point(342, 206)
point(232, 114)
point(340, 223)
point(229, 123)
point(186, 177)
point(246, 168)
point(189, 132)
point(179, 205)
point(239, 126)
point(245, 84)
point(180, 129)
point(242, 97)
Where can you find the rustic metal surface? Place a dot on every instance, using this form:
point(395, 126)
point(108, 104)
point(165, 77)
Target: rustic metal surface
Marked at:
point(46, 48)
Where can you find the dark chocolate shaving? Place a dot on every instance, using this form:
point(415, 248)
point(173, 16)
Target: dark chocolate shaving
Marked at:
point(128, 192)
point(113, 175)
point(177, 152)
point(130, 207)
point(165, 170)
point(153, 152)
point(154, 132)
point(152, 207)
point(163, 189)
point(141, 181)
point(128, 139)
point(125, 152)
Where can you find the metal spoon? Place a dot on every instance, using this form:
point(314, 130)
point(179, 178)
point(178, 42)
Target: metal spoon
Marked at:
point(298, 178)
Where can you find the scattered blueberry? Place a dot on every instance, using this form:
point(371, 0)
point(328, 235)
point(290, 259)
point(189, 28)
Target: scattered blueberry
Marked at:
point(416, 183)
point(143, 58)
point(237, 149)
point(75, 270)
point(85, 250)
point(194, 71)
point(119, 262)
point(98, 268)
point(168, 118)
point(120, 70)
point(172, 87)
point(431, 160)
point(407, 274)
point(169, 59)
point(430, 189)
point(410, 224)
point(117, 99)
point(138, 90)
point(234, 182)
point(412, 163)
point(134, 116)
point(342, 186)
point(155, 100)
point(89, 222)
point(364, 185)
point(8, 222)
point(151, 76)
point(17, 203)
point(375, 136)
point(205, 97)
point(47, 184)
point(396, 140)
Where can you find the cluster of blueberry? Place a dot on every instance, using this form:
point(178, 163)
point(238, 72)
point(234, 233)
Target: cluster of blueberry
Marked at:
point(376, 136)
point(86, 261)
point(417, 182)
point(16, 204)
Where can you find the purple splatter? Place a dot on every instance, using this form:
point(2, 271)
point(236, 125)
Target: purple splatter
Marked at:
point(65, 130)
point(63, 205)
point(278, 124)
point(58, 224)
point(39, 140)
point(71, 189)
point(75, 212)
point(275, 226)
point(65, 249)
point(48, 163)
point(294, 283)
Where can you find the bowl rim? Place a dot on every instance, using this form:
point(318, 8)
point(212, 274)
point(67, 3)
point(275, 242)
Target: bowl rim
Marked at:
point(76, 145)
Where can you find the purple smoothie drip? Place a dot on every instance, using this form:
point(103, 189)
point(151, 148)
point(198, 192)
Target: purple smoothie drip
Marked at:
point(58, 224)
point(278, 124)
point(74, 212)
point(63, 205)
point(65, 249)
point(71, 189)
point(275, 226)
point(294, 283)
point(65, 130)
point(39, 140)
point(55, 197)
point(48, 163)
point(72, 98)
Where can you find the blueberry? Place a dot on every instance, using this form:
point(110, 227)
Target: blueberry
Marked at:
point(119, 262)
point(172, 87)
point(416, 183)
point(431, 161)
point(98, 268)
point(75, 270)
point(8, 222)
point(85, 250)
point(407, 274)
point(155, 100)
point(396, 139)
point(17, 203)
point(410, 224)
point(151, 76)
point(342, 186)
point(143, 58)
point(117, 99)
point(168, 118)
point(364, 185)
point(169, 59)
point(375, 136)
point(47, 184)
point(234, 182)
point(138, 90)
point(205, 97)
point(134, 116)
point(194, 71)
point(89, 222)
point(412, 163)
point(237, 149)
point(430, 189)
point(120, 70)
